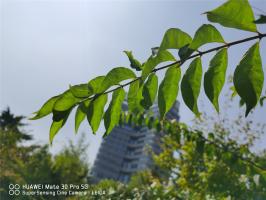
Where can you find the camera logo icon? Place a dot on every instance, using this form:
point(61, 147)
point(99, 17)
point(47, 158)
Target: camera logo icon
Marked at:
point(14, 189)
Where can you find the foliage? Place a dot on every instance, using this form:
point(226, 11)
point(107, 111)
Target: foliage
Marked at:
point(214, 77)
point(248, 76)
point(234, 14)
point(70, 165)
point(203, 162)
point(215, 165)
point(34, 164)
point(143, 185)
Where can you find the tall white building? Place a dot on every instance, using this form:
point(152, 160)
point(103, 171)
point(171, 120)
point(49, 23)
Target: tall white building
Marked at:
point(124, 151)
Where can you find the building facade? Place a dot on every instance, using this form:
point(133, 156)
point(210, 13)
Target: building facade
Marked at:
point(124, 151)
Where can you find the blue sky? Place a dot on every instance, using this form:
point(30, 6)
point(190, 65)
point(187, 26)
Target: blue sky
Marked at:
point(47, 45)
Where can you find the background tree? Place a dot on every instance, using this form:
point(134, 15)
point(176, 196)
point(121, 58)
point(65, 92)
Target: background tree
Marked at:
point(34, 164)
point(216, 166)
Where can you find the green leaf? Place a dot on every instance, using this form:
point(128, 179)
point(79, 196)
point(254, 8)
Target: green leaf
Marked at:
point(134, 63)
point(152, 62)
point(261, 20)
point(66, 101)
point(149, 91)
point(190, 85)
point(46, 109)
point(95, 84)
point(112, 115)
point(206, 34)
point(241, 102)
point(168, 89)
point(115, 76)
point(234, 14)
point(81, 91)
point(249, 77)
point(174, 38)
point(81, 113)
point(185, 52)
point(215, 76)
point(95, 111)
point(134, 97)
point(59, 120)
point(122, 119)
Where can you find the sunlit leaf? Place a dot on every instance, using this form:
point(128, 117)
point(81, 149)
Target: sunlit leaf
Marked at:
point(174, 38)
point(190, 85)
point(134, 63)
point(66, 101)
point(206, 34)
point(122, 119)
point(95, 111)
point(249, 77)
point(152, 62)
point(95, 84)
point(81, 113)
point(168, 89)
point(115, 76)
point(215, 76)
point(46, 109)
point(112, 115)
point(81, 91)
point(235, 14)
point(149, 91)
point(135, 97)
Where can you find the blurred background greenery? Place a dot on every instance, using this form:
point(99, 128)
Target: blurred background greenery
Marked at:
point(187, 169)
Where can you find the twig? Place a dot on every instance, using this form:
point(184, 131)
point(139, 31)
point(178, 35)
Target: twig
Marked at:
point(227, 45)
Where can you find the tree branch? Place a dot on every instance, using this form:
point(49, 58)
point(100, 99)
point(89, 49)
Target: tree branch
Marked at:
point(259, 36)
